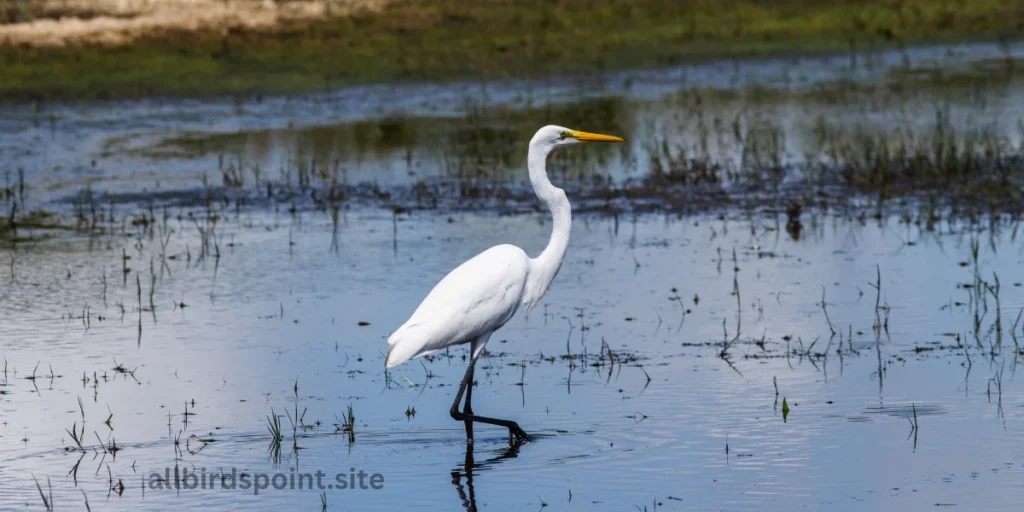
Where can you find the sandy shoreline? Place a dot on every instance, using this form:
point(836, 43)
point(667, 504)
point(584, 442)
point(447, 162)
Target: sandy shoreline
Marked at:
point(60, 23)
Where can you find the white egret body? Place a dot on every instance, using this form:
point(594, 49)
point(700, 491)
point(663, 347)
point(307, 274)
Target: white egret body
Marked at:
point(484, 293)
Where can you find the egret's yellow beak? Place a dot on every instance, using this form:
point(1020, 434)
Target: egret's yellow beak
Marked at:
point(594, 137)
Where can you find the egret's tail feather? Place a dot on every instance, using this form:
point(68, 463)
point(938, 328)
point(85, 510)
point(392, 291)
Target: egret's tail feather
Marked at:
point(396, 357)
point(398, 352)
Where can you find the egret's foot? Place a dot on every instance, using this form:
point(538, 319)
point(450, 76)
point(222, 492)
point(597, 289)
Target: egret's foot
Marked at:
point(517, 435)
point(514, 431)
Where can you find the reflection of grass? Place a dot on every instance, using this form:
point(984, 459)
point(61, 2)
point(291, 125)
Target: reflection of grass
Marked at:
point(480, 145)
point(32, 225)
point(979, 161)
point(714, 140)
point(440, 39)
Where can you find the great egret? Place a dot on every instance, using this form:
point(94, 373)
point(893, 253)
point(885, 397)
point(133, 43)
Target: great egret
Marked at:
point(479, 296)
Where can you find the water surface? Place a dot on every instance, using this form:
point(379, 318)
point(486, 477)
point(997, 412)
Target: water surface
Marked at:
point(270, 311)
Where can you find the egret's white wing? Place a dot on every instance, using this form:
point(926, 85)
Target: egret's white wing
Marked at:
point(476, 298)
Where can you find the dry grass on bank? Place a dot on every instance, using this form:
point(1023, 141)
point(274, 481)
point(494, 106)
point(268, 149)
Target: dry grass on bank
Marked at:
point(59, 23)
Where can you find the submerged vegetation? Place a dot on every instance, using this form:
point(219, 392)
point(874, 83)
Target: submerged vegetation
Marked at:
point(947, 145)
point(446, 39)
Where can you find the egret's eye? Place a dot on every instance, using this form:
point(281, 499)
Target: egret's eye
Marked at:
point(563, 135)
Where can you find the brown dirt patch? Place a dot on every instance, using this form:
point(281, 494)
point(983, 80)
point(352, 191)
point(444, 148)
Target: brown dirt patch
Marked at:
point(57, 23)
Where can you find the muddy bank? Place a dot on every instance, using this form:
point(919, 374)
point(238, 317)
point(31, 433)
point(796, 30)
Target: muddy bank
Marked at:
point(248, 47)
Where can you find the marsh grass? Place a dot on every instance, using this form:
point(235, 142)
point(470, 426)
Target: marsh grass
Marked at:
point(445, 39)
point(347, 424)
point(677, 166)
point(274, 427)
point(913, 424)
point(78, 436)
point(47, 497)
point(978, 159)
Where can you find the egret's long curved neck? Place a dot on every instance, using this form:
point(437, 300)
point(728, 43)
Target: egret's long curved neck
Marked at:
point(546, 265)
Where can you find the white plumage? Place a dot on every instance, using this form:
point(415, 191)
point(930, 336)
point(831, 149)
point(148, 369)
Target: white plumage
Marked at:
point(476, 298)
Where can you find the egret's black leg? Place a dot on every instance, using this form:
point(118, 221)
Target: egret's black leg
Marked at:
point(468, 408)
point(514, 432)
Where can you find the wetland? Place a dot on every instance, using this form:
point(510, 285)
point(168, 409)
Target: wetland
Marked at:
point(796, 285)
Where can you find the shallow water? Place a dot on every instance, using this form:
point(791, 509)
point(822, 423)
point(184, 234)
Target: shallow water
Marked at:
point(653, 375)
point(768, 111)
point(270, 311)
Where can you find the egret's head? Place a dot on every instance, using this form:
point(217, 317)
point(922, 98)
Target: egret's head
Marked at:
point(552, 136)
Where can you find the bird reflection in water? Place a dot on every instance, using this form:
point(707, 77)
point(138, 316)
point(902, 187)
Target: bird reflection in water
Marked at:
point(469, 469)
